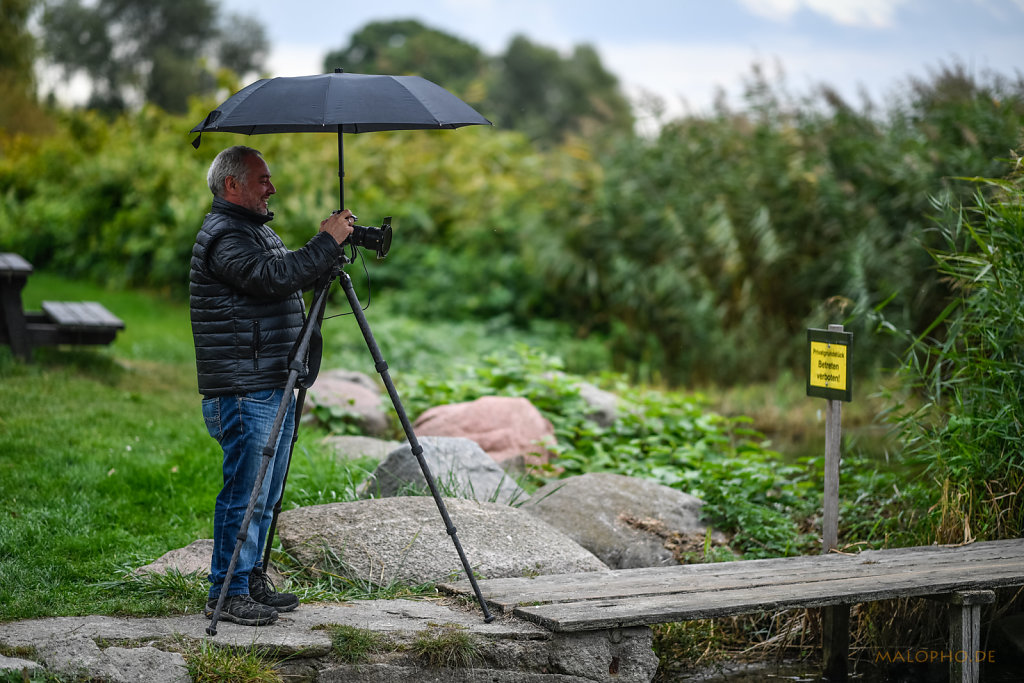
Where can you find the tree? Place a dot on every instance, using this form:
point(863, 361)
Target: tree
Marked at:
point(530, 88)
point(158, 51)
point(18, 110)
point(407, 47)
point(535, 90)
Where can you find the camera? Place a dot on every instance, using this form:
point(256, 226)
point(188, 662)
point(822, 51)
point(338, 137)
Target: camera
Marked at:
point(375, 239)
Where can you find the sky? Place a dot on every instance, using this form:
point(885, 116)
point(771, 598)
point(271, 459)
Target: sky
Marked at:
point(685, 51)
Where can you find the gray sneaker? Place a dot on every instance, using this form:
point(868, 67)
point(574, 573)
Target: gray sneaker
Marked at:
point(242, 609)
point(262, 590)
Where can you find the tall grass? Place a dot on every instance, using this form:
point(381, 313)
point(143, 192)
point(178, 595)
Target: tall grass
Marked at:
point(966, 370)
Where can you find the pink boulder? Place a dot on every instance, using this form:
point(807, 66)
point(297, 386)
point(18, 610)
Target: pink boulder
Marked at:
point(510, 430)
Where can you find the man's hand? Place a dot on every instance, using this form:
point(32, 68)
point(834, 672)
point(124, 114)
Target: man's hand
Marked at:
point(339, 225)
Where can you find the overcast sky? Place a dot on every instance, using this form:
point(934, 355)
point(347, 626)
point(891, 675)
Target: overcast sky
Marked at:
point(683, 50)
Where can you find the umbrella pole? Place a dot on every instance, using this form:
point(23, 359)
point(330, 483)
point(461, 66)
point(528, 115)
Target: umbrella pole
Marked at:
point(417, 450)
point(341, 172)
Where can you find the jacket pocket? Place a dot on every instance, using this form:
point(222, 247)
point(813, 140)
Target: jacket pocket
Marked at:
point(257, 344)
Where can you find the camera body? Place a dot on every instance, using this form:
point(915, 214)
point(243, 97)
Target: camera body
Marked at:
point(373, 238)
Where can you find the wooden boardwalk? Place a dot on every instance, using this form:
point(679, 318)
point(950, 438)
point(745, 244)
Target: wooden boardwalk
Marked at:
point(962, 576)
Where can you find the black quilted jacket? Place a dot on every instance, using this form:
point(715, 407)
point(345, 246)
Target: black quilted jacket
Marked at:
point(246, 298)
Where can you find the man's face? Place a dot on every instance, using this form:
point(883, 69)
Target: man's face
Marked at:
point(253, 191)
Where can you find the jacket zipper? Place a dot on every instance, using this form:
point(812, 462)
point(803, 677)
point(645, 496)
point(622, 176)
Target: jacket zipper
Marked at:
point(256, 343)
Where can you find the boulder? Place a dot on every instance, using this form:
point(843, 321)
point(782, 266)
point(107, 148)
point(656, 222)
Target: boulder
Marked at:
point(510, 429)
point(351, 447)
point(192, 559)
point(627, 522)
point(351, 393)
point(404, 540)
point(459, 467)
point(603, 406)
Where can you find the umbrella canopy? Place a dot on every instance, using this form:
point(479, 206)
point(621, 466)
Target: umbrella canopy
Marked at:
point(339, 103)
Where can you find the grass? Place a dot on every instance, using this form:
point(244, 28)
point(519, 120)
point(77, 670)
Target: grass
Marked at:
point(208, 662)
point(353, 645)
point(446, 646)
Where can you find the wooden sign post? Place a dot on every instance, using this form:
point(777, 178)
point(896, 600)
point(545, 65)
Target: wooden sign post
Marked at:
point(828, 377)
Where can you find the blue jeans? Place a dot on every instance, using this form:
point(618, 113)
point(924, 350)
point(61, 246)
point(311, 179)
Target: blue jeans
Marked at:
point(242, 426)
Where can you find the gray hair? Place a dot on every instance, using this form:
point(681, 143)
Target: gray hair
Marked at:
point(230, 162)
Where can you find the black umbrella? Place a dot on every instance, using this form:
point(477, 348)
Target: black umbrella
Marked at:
point(339, 103)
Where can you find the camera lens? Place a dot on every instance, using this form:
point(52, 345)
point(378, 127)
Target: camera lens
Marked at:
point(376, 239)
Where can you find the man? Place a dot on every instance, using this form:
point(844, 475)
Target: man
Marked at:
point(247, 311)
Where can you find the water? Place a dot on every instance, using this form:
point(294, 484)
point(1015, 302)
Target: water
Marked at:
point(861, 672)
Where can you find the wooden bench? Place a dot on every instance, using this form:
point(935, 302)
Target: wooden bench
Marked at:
point(962, 577)
point(60, 322)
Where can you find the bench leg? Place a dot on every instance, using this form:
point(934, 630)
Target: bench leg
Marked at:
point(965, 634)
point(835, 641)
point(14, 320)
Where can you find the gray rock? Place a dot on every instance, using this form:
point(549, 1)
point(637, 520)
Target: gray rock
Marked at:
point(354, 394)
point(193, 558)
point(77, 656)
point(404, 539)
point(627, 522)
point(16, 664)
point(508, 650)
point(360, 447)
point(604, 405)
point(459, 467)
point(353, 376)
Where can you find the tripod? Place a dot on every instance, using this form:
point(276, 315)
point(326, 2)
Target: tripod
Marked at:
point(315, 318)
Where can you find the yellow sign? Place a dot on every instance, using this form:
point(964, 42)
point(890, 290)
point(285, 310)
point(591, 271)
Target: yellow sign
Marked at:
point(828, 366)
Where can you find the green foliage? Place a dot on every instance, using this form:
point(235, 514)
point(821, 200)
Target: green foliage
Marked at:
point(18, 110)
point(160, 50)
point(536, 90)
point(664, 436)
point(964, 413)
point(706, 251)
point(698, 255)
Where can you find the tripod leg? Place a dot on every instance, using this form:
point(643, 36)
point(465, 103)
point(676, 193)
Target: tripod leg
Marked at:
point(417, 450)
point(277, 506)
point(320, 300)
point(300, 402)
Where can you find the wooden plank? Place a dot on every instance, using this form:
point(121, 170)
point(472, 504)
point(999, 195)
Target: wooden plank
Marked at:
point(81, 314)
point(634, 611)
point(14, 264)
point(101, 315)
point(506, 594)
